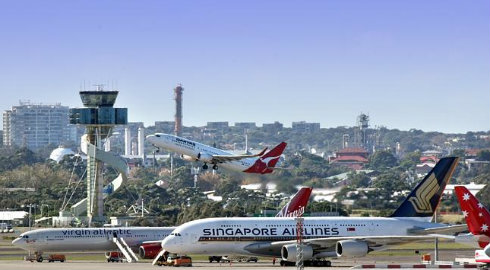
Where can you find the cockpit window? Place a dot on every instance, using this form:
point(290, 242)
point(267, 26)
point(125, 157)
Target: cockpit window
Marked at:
point(158, 135)
point(25, 236)
point(176, 234)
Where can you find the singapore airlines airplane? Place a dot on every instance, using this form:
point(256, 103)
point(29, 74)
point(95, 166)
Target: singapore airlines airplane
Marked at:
point(146, 240)
point(478, 220)
point(324, 237)
point(193, 151)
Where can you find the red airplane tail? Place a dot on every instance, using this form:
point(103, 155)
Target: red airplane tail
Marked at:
point(476, 215)
point(297, 205)
point(266, 163)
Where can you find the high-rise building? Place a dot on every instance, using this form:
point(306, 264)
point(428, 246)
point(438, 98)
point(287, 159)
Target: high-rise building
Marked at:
point(303, 126)
point(35, 125)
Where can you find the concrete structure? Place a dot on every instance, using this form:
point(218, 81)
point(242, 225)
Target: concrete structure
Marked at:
point(178, 109)
point(35, 125)
point(273, 127)
point(217, 125)
point(127, 141)
point(99, 117)
point(303, 126)
point(141, 142)
point(13, 217)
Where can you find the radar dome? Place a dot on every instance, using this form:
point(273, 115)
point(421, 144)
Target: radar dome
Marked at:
point(60, 152)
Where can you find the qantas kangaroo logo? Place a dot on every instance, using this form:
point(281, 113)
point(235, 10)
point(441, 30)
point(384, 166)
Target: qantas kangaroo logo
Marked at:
point(421, 201)
point(266, 163)
point(267, 160)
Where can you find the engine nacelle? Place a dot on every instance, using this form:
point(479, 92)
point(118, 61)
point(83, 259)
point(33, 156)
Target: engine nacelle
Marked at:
point(188, 158)
point(288, 252)
point(351, 248)
point(149, 251)
point(204, 157)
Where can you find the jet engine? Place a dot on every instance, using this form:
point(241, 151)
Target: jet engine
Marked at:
point(351, 248)
point(288, 252)
point(204, 157)
point(188, 158)
point(149, 251)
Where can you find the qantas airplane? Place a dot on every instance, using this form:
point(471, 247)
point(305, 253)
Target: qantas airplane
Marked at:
point(193, 151)
point(324, 237)
point(478, 220)
point(146, 240)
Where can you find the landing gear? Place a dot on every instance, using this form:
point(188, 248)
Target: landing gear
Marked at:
point(215, 167)
point(39, 259)
point(205, 166)
point(314, 263)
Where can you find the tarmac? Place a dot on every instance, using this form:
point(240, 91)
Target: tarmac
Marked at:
point(82, 265)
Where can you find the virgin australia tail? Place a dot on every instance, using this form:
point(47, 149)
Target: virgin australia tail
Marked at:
point(476, 215)
point(424, 199)
point(297, 205)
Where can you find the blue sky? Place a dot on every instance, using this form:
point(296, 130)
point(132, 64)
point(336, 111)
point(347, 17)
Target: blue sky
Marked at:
point(408, 64)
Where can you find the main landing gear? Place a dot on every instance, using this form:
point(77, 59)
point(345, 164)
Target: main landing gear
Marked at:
point(314, 263)
point(205, 166)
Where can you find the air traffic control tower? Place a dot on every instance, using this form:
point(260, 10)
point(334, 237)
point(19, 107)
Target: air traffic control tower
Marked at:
point(99, 117)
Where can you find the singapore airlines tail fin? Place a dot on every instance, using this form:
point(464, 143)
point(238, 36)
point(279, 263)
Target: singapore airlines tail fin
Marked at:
point(424, 199)
point(266, 163)
point(476, 215)
point(297, 205)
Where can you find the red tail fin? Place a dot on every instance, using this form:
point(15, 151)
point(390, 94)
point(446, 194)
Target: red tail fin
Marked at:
point(476, 215)
point(297, 205)
point(266, 162)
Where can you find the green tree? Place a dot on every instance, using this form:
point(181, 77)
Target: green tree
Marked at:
point(382, 160)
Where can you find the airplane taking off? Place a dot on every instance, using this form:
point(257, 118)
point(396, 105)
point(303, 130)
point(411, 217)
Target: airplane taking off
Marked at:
point(193, 151)
point(146, 240)
point(324, 237)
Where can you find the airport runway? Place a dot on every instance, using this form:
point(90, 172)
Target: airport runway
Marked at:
point(82, 265)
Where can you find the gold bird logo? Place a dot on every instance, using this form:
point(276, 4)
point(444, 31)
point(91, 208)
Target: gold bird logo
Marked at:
point(421, 201)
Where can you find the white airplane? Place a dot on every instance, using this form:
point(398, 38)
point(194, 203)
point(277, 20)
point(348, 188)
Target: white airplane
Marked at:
point(93, 240)
point(146, 240)
point(324, 237)
point(193, 151)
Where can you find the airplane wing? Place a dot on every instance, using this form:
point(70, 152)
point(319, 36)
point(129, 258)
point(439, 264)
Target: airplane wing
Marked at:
point(215, 159)
point(373, 241)
point(442, 230)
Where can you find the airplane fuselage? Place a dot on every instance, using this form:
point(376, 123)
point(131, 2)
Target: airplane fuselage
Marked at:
point(87, 239)
point(253, 236)
point(198, 151)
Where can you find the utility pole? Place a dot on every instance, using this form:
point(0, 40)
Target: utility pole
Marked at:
point(299, 243)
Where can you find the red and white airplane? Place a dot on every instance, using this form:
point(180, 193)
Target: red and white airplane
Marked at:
point(478, 220)
point(263, 162)
point(146, 240)
point(324, 237)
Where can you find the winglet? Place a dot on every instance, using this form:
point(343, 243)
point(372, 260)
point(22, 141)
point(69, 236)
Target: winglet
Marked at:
point(261, 152)
point(297, 205)
point(476, 215)
point(424, 199)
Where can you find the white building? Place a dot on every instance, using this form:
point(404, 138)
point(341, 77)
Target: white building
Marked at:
point(35, 125)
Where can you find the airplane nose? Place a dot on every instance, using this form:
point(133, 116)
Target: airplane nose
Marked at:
point(168, 243)
point(17, 241)
point(150, 138)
